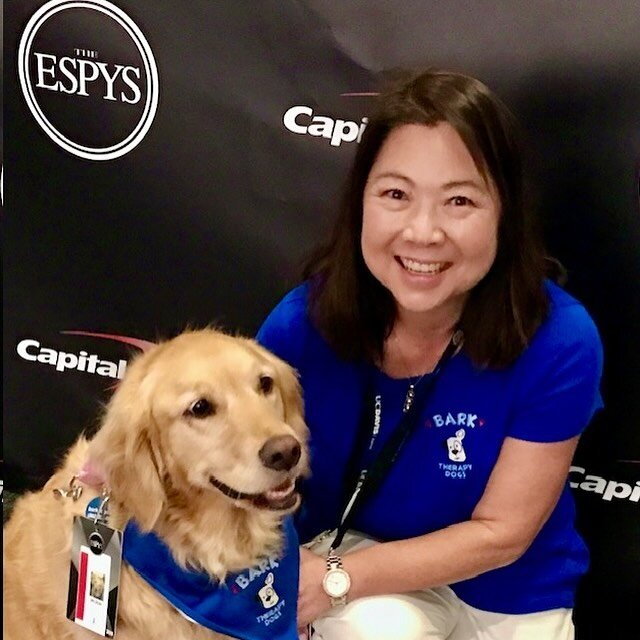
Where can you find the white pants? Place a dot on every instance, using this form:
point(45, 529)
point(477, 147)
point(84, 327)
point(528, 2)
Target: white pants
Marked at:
point(436, 614)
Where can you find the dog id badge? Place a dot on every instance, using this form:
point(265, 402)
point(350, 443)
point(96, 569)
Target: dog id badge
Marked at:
point(94, 576)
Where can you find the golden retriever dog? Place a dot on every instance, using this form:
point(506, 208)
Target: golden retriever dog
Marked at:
point(201, 443)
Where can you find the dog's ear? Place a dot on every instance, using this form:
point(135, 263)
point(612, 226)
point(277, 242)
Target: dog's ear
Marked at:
point(125, 448)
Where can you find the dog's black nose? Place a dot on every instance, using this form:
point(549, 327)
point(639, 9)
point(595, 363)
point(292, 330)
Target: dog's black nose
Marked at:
point(280, 453)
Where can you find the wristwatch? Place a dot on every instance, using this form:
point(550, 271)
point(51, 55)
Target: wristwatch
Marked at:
point(336, 581)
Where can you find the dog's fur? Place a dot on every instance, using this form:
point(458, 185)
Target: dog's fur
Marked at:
point(157, 457)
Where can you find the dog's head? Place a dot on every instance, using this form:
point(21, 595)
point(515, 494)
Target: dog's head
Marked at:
point(204, 412)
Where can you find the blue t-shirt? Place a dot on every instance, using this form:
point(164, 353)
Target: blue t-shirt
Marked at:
point(549, 394)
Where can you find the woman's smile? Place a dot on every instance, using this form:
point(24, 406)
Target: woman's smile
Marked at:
point(422, 267)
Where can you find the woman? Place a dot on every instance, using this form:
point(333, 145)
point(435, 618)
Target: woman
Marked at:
point(436, 241)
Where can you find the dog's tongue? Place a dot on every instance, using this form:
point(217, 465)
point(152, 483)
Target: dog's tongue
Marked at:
point(281, 491)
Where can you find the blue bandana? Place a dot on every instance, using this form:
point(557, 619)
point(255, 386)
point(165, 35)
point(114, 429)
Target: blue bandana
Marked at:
point(256, 604)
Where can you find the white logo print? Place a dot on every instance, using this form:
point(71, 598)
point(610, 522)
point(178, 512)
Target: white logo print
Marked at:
point(301, 119)
point(608, 489)
point(268, 594)
point(79, 73)
point(454, 445)
point(29, 349)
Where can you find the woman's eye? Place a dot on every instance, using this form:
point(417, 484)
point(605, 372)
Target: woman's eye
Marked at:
point(395, 194)
point(201, 408)
point(265, 384)
point(461, 201)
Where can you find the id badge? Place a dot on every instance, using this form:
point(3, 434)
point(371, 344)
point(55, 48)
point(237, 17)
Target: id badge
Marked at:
point(94, 576)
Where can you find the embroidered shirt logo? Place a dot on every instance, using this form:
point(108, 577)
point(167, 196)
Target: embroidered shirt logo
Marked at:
point(455, 448)
point(470, 420)
point(456, 443)
point(267, 594)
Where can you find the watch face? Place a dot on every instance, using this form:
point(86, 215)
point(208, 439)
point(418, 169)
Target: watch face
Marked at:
point(336, 583)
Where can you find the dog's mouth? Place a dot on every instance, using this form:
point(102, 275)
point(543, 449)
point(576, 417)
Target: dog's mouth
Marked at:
point(284, 496)
point(281, 498)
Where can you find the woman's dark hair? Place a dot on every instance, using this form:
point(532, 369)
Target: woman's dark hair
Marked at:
point(354, 312)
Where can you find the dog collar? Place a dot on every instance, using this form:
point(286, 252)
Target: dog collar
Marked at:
point(257, 604)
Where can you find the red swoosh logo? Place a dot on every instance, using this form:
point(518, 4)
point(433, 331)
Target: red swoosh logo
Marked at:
point(143, 345)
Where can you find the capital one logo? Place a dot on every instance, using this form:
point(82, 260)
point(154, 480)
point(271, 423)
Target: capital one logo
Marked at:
point(89, 77)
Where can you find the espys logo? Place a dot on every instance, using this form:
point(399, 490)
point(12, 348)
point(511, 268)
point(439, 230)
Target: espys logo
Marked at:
point(89, 77)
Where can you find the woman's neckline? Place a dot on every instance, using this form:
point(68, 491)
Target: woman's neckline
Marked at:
point(401, 368)
point(413, 379)
point(400, 362)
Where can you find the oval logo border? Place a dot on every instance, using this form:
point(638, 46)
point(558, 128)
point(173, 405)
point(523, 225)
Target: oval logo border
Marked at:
point(151, 70)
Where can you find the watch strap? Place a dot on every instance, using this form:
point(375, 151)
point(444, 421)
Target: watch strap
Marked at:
point(334, 561)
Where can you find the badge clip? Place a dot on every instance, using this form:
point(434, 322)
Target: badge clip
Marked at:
point(73, 491)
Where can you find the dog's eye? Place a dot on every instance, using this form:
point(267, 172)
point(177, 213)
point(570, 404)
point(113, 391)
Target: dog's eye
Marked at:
point(201, 408)
point(266, 384)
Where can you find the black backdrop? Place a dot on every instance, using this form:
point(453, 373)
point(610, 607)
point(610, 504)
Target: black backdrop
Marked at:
point(206, 212)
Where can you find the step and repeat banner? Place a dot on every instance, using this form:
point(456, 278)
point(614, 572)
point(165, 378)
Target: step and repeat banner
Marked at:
point(170, 164)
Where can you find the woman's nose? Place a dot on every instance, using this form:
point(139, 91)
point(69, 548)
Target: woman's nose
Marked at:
point(423, 225)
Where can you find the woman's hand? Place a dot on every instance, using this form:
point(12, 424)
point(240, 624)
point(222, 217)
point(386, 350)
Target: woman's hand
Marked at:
point(312, 600)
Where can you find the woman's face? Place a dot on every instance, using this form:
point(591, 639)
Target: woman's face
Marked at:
point(430, 221)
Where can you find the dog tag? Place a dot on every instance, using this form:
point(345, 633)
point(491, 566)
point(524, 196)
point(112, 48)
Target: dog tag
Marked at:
point(94, 576)
point(94, 512)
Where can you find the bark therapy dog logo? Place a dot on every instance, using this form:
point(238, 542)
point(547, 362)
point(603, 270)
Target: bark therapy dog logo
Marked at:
point(89, 77)
point(33, 350)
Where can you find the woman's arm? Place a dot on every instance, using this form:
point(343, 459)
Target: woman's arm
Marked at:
point(522, 491)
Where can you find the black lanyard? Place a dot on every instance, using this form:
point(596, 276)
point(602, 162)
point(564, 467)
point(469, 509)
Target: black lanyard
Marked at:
point(372, 475)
